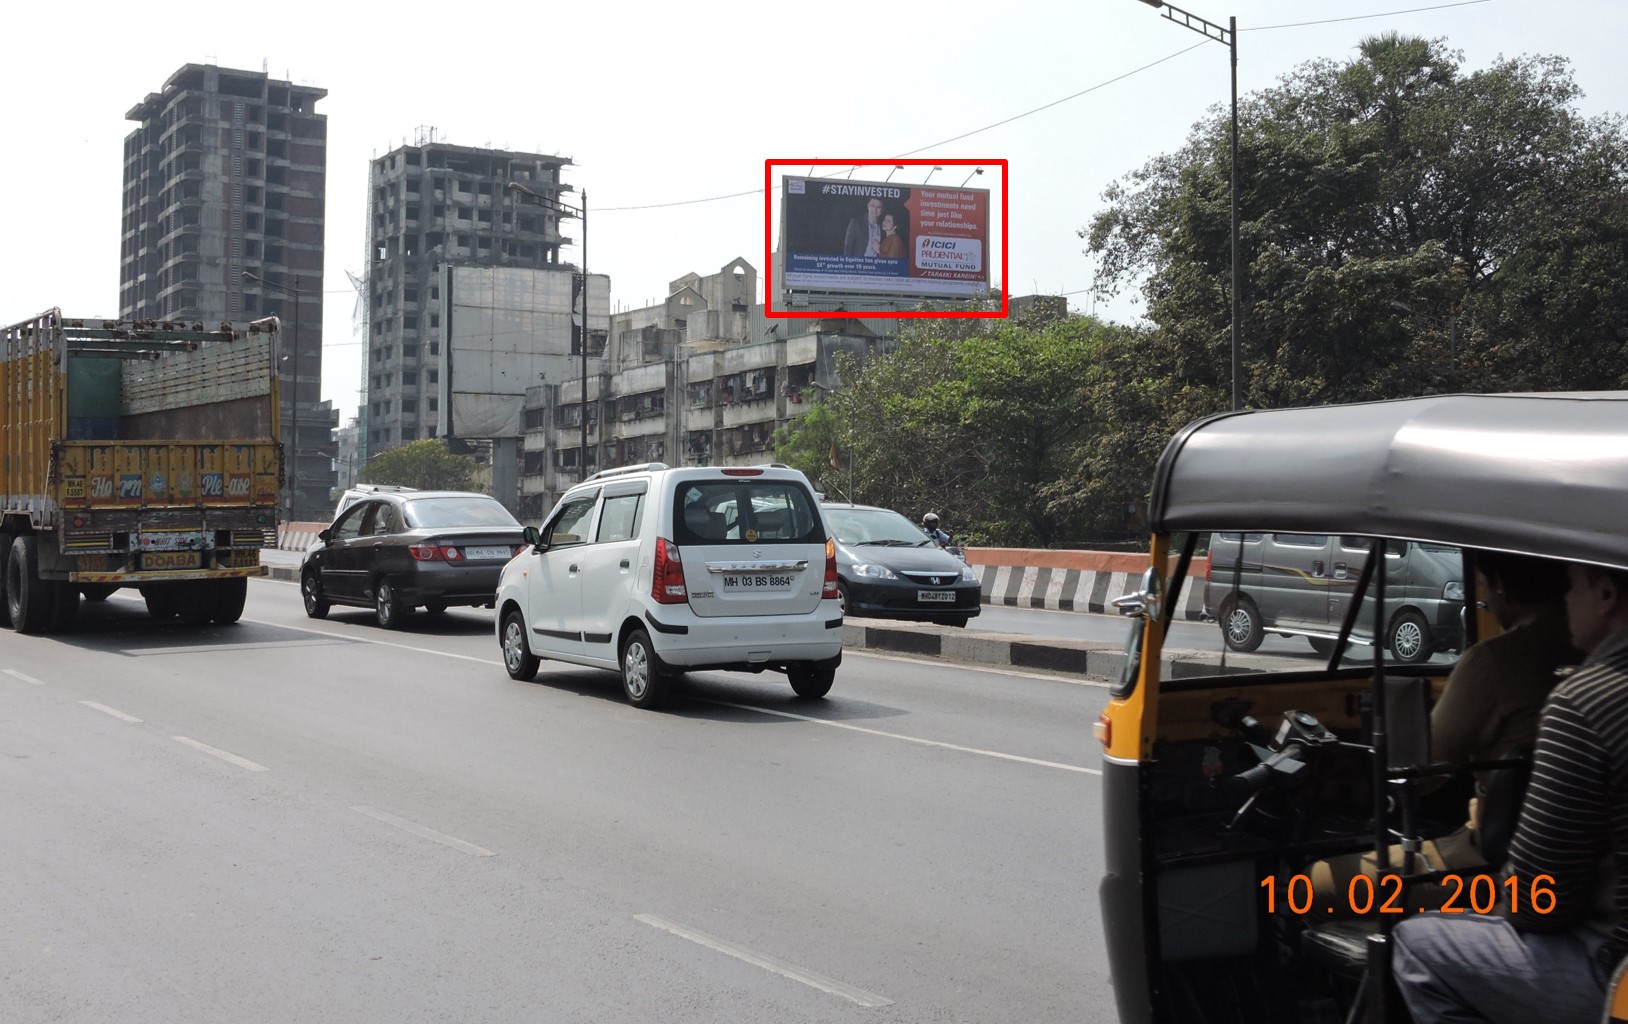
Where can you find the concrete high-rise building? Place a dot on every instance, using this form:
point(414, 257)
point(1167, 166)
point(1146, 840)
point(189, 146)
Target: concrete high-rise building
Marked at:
point(225, 183)
point(433, 204)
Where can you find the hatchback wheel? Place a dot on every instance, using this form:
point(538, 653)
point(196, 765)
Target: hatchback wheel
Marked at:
point(642, 681)
point(811, 682)
point(517, 657)
point(311, 594)
point(387, 606)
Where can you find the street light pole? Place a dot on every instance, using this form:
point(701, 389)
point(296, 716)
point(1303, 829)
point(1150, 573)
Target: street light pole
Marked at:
point(297, 295)
point(581, 213)
point(1229, 36)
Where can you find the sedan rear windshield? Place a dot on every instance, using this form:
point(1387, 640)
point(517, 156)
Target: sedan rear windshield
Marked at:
point(746, 512)
point(443, 513)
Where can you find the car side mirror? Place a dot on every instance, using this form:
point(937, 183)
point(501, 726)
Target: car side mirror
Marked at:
point(532, 537)
point(325, 535)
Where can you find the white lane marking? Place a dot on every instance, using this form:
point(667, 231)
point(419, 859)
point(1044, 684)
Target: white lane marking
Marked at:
point(768, 963)
point(143, 652)
point(25, 678)
point(115, 712)
point(908, 739)
point(972, 666)
point(744, 707)
point(241, 762)
point(424, 833)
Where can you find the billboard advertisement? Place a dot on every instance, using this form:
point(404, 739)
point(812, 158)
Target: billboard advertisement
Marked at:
point(508, 328)
point(909, 241)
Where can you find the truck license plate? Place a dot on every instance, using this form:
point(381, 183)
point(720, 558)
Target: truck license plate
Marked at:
point(741, 582)
point(171, 560)
point(944, 596)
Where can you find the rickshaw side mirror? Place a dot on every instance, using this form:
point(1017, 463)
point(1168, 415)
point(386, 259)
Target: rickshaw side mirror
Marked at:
point(1146, 602)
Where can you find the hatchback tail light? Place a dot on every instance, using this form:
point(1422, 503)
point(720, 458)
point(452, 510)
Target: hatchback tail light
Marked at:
point(435, 553)
point(1209, 566)
point(829, 591)
point(667, 582)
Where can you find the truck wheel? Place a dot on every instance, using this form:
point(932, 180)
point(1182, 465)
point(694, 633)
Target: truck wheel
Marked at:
point(64, 605)
point(194, 601)
point(5, 570)
point(160, 600)
point(28, 597)
point(230, 593)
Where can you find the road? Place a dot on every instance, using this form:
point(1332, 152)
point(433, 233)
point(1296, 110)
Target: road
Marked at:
point(1192, 636)
point(297, 820)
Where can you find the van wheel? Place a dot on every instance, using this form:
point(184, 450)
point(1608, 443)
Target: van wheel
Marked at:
point(1410, 640)
point(28, 597)
point(1241, 624)
point(642, 680)
point(518, 660)
point(811, 682)
point(1322, 645)
point(387, 607)
point(311, 594)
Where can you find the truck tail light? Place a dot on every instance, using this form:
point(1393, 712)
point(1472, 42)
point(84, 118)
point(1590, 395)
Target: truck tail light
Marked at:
point(667, 582)
point(829, 591)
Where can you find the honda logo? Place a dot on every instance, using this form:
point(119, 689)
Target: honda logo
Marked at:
point(937, 580)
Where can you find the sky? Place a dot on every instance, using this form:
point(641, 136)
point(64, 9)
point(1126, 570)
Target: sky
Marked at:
point(663, 103)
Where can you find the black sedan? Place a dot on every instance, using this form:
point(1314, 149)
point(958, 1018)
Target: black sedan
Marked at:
point(400, 551)
point(888, 569)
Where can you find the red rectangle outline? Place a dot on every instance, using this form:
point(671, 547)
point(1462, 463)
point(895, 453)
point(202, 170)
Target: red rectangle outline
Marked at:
point(768, 237)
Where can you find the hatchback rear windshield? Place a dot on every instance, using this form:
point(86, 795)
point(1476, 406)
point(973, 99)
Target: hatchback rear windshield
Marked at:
point(442, 513)
point(746, 511)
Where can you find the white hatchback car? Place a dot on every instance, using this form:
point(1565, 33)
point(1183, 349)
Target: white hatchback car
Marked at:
point(653, 571)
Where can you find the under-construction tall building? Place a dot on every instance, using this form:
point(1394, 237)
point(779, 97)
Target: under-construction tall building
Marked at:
point(225, 183)
point(432, 204)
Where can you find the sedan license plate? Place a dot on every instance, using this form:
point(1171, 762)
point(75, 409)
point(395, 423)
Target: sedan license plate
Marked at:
point(171, 560)
point(753, 582)
point(936, 596)
point(477, 554)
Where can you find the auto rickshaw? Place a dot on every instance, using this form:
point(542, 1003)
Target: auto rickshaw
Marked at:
point(1220, 790)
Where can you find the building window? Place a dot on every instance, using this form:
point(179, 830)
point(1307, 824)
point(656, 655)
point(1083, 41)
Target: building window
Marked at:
point(409, 378)
point(409, 351)
point(435, 319)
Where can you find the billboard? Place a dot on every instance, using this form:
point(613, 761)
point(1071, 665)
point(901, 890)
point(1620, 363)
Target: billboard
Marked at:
point(908, 241)
point(507, 329)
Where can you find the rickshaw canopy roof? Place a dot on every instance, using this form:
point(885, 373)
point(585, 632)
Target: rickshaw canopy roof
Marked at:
point(1543, 474)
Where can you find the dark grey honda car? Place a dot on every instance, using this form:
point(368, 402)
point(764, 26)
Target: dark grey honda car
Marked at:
point(888, 569)
point(398, 551)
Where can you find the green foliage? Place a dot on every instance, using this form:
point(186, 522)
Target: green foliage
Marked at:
point(427, 464)
point(1407, 227)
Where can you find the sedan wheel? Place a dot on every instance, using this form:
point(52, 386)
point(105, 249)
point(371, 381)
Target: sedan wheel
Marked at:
point(642, 681)
point(387, 607)
point(518, 660)
point(311, 593)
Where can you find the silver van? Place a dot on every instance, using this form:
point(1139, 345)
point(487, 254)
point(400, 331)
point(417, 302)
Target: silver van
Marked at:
point(1300, 584)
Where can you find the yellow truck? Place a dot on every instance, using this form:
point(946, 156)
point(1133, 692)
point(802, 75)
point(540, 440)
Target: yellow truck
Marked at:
point(136, 454)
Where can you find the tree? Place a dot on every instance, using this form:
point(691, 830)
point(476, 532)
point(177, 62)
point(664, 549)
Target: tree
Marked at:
point(427, 465)
point(1407, 227)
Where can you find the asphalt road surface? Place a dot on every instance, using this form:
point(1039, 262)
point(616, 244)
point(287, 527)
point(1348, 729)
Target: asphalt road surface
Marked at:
point(289, 819)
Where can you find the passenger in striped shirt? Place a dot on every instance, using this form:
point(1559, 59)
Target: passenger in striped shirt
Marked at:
point(1539, 962)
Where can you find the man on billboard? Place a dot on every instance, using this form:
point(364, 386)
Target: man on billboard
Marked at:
point(864, 236)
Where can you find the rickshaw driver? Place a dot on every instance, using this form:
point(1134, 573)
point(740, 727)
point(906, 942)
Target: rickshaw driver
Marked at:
point(1534, 965)
point(1488, 708)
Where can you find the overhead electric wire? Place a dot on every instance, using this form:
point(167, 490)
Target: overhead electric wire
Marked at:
point(1065, 99)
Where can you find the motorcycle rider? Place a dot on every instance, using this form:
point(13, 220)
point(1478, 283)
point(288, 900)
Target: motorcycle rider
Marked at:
point(929, 526)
